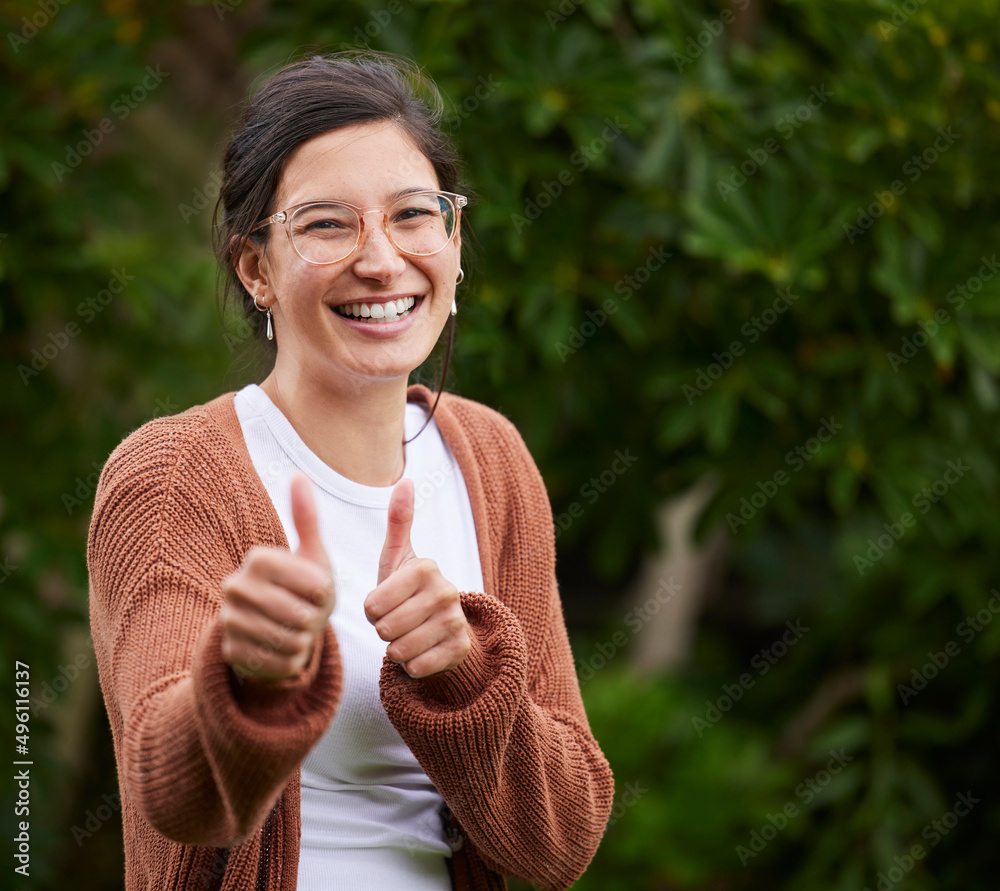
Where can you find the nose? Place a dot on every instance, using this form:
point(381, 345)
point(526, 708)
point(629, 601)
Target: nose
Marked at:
point(377, 257)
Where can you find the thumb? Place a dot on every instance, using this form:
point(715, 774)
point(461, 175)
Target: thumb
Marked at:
point(307, 522)
point(397, 548)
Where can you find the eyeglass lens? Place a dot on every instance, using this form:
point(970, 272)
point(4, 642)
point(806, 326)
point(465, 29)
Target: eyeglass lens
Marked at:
point(417, 224)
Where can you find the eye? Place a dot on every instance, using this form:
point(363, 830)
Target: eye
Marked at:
point(407, 214)
point(328, 219)
point(324, 224)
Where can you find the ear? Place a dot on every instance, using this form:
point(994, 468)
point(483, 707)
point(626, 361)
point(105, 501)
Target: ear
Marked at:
point(251, 267)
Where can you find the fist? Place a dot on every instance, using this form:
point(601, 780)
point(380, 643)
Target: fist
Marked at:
point(414, 607)
point(277, 603)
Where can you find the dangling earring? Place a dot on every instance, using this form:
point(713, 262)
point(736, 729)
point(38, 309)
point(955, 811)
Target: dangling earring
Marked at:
point(458, 281)
point(267, 309)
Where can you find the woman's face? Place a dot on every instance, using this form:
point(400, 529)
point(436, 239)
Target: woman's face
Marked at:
point(367, 165)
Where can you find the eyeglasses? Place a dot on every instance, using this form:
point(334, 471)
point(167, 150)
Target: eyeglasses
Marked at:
point(322, 232)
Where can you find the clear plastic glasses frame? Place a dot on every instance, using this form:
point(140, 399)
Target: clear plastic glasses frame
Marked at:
point(285, 219)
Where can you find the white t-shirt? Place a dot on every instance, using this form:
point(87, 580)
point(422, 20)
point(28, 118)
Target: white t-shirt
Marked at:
point(370, 815)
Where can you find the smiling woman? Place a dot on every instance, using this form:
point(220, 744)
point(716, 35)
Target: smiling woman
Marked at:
point(312, 681)
point(332, 258)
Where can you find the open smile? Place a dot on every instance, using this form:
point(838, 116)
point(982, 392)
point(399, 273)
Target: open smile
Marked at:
point(385, 318)
point(378, 313)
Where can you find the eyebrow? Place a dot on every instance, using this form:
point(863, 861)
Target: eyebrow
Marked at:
point(410, 191)
point(393, 197)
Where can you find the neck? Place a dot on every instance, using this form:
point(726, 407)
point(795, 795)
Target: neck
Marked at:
point(358, 431)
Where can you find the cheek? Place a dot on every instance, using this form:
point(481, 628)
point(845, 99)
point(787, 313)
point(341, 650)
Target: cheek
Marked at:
point(446, 269)
point(444, 278)
point(305, 280)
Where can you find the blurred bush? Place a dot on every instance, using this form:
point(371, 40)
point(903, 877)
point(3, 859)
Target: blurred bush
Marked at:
point(753, 240)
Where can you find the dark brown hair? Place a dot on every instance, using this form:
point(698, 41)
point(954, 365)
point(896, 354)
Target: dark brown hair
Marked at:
point(303, 100)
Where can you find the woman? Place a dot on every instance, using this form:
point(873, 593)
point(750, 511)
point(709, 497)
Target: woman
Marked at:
point(314, 678)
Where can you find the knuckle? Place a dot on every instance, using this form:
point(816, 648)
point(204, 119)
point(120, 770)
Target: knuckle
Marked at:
point(264, 650)
point(320, 596)
point(293, 637)
point(459, 646)
point(426, 568)
point(290, 643)
point(455, 623)
point(322, 583)
point(444, 597)
point(304, 641)
point(289, 629)
point(383, 630)
point(303, 614)
point(275, 637)
point(232, 587)
point(255, 557)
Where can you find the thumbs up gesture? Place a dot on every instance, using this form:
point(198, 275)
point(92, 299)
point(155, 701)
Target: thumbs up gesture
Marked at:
point(277, 603)
point(414, 607)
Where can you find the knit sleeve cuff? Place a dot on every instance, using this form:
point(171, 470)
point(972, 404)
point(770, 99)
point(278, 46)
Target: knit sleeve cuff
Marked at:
point(315, 689)
point(494, 669)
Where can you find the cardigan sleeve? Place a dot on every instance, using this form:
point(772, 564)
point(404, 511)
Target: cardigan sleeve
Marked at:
point(504, 736)
point(202, 755)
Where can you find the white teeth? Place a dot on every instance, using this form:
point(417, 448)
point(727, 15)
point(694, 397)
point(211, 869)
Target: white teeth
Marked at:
point(383, 312)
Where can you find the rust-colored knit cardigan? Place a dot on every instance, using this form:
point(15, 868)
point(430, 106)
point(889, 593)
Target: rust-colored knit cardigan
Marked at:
point(209, 767)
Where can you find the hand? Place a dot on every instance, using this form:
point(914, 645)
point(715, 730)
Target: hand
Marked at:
point(277, 603)
point(414, 607)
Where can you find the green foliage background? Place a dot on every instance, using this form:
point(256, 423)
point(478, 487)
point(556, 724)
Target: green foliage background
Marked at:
point(696, 91)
